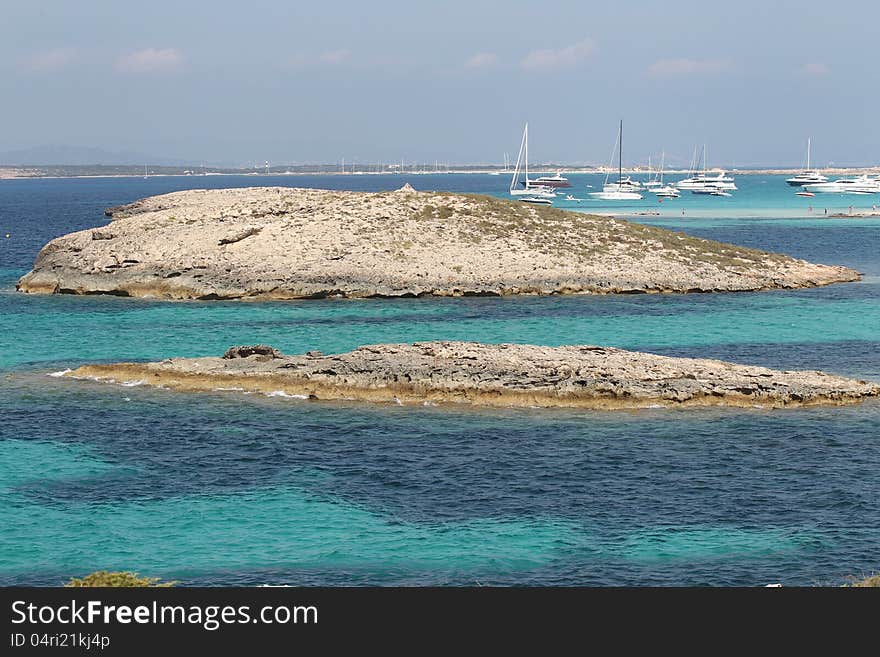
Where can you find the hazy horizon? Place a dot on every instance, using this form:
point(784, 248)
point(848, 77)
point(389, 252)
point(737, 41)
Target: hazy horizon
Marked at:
point(227, 84)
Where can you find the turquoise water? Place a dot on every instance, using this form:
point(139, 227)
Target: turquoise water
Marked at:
point(233, 489)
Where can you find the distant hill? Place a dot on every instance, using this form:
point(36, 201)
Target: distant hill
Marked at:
point(79, 155)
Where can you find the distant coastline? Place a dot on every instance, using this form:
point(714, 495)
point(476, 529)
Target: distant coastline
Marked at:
point(113, 171)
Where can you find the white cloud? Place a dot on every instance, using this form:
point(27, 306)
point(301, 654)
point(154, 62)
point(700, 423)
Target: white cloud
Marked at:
point(666, 68)
point(540, 60)
point(481, 60)
point(49, 60)
point(334, 56)
point(150, 60)
point(815, 70)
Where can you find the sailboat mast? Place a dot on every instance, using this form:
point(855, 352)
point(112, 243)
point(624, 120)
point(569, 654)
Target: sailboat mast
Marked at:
point(808, 153)
point(620, 153)
point(523, 150)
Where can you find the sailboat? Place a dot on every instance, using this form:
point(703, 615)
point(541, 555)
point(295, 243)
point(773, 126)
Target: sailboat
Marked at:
point(703, 183)
point(808, 176)
point(528, 187)
point(624, 188)
point(661, 190)
point(654, 178)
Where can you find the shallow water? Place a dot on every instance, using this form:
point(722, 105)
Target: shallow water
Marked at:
point(245, 489)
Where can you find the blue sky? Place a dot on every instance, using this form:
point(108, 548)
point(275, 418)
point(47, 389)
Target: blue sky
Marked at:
point(294, 82)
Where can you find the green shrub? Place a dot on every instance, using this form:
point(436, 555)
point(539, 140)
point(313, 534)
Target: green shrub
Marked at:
point(118, 579)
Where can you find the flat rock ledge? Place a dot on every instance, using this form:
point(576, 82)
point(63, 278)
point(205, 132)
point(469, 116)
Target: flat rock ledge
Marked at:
point(284, 243)
point(491, 375)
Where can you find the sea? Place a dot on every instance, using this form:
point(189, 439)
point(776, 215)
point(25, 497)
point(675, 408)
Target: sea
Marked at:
point(231, 489)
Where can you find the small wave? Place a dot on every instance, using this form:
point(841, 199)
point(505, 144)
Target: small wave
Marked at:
point(281, 393)
point(132, 384)
point(60, 373)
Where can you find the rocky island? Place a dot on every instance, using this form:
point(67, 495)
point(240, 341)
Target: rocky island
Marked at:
point(284, 243)
point(491, 375)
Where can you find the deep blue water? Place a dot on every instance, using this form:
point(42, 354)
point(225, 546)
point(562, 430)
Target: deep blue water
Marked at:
point(232, 489)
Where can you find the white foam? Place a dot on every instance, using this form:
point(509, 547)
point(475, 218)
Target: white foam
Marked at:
point(281, 393)
point(132, 384)
point(59, 374)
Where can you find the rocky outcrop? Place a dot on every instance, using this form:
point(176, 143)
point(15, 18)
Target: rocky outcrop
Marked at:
point(494, 375)
point(252, 350)
point(282, 243)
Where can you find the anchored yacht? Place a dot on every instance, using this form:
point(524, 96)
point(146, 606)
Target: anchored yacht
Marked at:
point(717, 180)
point(551, 181)
point(861, 185)
point(808, 176)
point(658, 188)
point(625, 189)
point(526, 187)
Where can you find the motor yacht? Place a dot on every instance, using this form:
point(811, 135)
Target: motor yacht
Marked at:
point(861, 185)
point(552, 181)
point(808, 176)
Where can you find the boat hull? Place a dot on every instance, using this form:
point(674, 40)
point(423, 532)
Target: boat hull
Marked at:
point(616, 196)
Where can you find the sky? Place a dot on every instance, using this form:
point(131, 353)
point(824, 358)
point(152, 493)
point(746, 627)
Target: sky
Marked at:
point(231, 82)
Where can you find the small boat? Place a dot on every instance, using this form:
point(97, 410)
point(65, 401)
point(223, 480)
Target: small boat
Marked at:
point(710, 189)
point(807, 194)
point(667, 191)
point(616, 195)
point(625, 189)
point(537, 200)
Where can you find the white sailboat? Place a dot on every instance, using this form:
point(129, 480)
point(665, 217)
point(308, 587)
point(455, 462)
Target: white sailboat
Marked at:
point(661, 190)
point(704, 183)
point(654, 177)
point(624, 188)
point(808, 176)
point(527, 187)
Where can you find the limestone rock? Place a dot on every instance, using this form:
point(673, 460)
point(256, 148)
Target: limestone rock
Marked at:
point(495, 375)
point(283, 243)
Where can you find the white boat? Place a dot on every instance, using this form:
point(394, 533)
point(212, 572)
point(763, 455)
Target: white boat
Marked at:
point(537, 200)
point(710, 189)
point(526, 187)
point(861, 185)
point(658, 188)
point(718, 179)
point(552, 181)
point(625, 189)
point(654, 178)
point(808, 176)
